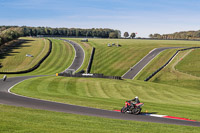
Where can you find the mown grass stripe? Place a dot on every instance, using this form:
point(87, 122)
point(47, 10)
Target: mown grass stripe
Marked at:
point(102, 90)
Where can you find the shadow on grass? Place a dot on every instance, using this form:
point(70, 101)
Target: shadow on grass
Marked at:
point(9, 49)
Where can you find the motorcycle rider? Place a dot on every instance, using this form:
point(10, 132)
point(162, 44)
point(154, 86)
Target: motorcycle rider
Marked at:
point(136, 100)
point(133, 102)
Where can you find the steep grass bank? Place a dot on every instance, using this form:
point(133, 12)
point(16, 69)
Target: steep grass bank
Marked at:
point(61, 57)
point(15, 59)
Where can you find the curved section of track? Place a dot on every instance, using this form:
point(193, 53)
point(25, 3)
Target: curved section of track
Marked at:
point(134, 71)
point(79, 55)
point(6, 97)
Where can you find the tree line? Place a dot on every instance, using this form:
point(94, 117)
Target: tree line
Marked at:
point(8, 33)
point(71, 32)
point(178, 35)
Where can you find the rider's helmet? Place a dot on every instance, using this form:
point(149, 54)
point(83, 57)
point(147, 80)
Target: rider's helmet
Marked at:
point(136, 97)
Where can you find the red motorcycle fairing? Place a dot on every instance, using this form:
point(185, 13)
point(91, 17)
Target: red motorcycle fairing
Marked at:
point(127, 103)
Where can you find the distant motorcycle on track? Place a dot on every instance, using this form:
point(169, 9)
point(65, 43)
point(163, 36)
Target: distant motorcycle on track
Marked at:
point(4, 78)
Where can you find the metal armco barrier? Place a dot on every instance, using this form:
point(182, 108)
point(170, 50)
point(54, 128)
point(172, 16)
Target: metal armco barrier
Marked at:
point(34, 67)
point(91, 60)
point(93, 76)
point(158, 70)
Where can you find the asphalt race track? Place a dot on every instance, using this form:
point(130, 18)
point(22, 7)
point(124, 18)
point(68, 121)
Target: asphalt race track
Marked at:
point(79, 56)
point(15, 100)
point(132, 72)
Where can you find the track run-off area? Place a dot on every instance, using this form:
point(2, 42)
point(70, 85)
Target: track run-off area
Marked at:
point(6, 97)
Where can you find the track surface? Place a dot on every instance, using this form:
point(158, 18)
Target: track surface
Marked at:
point(12, 99)
point(132, 72)
point(79, 57)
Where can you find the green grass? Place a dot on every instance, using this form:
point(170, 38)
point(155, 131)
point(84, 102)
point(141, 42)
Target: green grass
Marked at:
point(111, 94)
point(23, 120)
point(16, 59)
point(170, 94)
point(60, 59)
point(190, 64)
point(116, 61)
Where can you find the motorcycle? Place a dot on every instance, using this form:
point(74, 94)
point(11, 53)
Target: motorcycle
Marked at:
point(132, 108)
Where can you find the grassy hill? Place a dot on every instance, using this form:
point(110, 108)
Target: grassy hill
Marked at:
point(168, 92)
point(116, 61)
point(111, 94)
point(177, 73)
point(190, 64)
point(60, 59)
point(156, 63)
point(15, 59)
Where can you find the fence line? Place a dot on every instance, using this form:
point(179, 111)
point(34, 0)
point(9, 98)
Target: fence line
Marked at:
point(89, 76)
point(90, 61)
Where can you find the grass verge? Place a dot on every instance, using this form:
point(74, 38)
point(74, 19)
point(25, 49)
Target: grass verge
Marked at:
point(23, 120)
point(190, 64)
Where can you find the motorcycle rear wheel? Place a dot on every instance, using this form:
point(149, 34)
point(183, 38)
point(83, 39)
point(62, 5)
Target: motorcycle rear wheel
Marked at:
point(137, 111)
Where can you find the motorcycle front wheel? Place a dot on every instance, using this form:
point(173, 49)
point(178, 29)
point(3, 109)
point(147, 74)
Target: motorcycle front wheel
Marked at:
point(124, 109)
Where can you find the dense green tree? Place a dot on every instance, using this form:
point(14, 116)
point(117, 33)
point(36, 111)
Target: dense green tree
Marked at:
point(133, 35)
point(151, 35)
point(126, 34)
point(8, 33)
point(113, 35)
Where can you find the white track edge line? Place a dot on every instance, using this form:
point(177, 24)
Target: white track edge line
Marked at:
point(84, 56)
